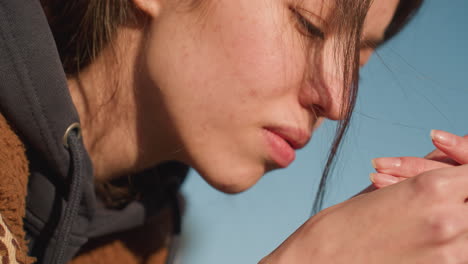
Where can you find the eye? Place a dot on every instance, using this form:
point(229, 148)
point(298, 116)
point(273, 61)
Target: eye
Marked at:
point(306, 27)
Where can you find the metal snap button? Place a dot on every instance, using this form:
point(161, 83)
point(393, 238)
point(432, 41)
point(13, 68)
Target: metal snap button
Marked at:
point(75, 127)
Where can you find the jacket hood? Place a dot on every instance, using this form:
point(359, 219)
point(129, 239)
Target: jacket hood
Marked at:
point(35, 100)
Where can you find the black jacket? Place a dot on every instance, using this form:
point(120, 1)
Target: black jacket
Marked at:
point(62, 210)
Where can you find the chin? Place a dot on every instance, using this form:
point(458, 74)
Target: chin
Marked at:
point(232, 180)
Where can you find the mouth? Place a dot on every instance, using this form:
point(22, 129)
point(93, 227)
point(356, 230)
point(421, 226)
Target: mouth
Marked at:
point(296, 138)
point(283, 142)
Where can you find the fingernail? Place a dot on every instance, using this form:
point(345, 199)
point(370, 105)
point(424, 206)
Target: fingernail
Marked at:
point(372, 177)
point(382, 179)
point(386, 163)
point(443, 138)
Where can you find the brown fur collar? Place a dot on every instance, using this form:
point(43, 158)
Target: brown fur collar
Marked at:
point(13, 189)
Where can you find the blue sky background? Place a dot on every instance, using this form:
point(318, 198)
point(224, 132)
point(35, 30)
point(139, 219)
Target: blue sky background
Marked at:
point(416, 83)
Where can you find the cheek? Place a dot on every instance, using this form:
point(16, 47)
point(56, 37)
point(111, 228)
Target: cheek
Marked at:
point(233, 59)
point(252, 52)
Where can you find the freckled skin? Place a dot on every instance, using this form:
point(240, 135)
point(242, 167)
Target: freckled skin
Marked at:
point(199, 86)
point(224, 77)
point(236, 78)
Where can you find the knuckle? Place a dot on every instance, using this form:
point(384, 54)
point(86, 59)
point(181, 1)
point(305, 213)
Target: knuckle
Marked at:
point(431, 184)
point(442, 227)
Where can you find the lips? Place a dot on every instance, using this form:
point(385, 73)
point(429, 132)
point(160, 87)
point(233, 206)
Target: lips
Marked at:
point(282, 142)
point(296, 138)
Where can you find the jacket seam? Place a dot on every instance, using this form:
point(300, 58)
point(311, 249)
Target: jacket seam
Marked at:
point(18, 59)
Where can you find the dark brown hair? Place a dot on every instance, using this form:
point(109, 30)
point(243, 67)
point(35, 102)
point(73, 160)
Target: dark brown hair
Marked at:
point(82, 28)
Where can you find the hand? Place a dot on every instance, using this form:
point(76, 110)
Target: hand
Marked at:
point(451, 150)
point(419, 220)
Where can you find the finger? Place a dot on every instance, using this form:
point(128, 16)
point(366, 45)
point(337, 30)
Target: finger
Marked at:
point(406, 166)
point(438, 155)
point(381, 180)
point(455, 147)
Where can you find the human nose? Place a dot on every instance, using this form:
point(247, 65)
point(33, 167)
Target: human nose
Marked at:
point(325, 97)
point(329, 88)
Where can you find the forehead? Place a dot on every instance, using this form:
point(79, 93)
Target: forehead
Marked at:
point(378, 18)
point(323, 8)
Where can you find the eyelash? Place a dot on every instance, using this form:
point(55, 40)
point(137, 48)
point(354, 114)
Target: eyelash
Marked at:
point(310, 29)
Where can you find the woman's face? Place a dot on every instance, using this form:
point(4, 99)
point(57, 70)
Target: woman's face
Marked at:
point(236, 86)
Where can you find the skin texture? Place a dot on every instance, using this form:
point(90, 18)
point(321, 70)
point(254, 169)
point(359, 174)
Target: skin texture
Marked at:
point(377, 19)
point(152, 102)
point(251, 66)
